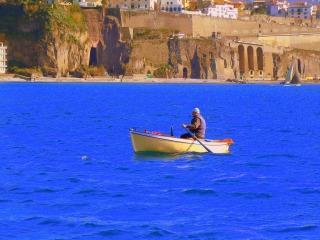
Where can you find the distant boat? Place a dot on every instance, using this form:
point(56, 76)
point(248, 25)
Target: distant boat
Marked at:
point(289, 81)
point(157, 142)
point(289, 75)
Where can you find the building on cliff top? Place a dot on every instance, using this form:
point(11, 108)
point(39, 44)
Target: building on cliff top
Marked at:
point(88, 3)
point(171, 5)
point(222, 11)
point(3, 58)
point(133, 4)
point(300, 10)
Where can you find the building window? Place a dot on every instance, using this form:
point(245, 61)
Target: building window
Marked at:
point(175, 9)
point(146, 6)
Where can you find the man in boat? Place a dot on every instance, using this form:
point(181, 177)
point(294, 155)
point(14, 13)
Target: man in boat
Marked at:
point(197, 126)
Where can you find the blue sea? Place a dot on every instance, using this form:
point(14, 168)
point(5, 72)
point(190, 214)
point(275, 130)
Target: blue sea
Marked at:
point(68, 170)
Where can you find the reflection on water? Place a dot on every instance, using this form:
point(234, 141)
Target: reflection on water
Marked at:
point(147, 156)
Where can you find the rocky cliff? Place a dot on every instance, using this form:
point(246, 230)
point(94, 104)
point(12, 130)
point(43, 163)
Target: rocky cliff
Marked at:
point(52, 38)
point(182, 58)
point(62, 40)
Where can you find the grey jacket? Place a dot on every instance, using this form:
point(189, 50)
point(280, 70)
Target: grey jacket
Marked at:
point(198, 126)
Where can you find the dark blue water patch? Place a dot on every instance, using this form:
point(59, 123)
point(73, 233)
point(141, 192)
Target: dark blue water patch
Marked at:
point(50, 221)
point(119, 195)
point(259, 164)
point(112, 233)
point(276, 156)
point(156, 232)
point(301, 228)
point(199, 191)
point(307, 190)
point(46, 190)
point(169, 176)
point(285, 130)
point(15, 189)
point(89, 192)
point(73, 180)
point(34, 218)
point(252, 195)
point(27, 201)
point(93, 225)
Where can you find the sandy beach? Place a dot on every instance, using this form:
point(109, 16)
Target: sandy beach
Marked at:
point(140, 79)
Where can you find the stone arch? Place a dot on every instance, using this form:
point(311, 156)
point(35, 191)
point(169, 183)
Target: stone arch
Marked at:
point(100, 48)
point(93, 60)
point(195, 65)
point(241, 59)
point(299, 66)
point(185, 72)
point(250, 58)
point(260, 58)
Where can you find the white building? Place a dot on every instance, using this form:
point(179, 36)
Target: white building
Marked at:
point(222, 11)
point(133, 4)
point(3, 58)
point(171, 5)
point(88, 3)
point(300, 10)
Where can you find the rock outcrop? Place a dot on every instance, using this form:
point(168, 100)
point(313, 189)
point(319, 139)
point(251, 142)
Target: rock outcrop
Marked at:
point(49, 38)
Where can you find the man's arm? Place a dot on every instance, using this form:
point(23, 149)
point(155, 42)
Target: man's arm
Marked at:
point(195, 123)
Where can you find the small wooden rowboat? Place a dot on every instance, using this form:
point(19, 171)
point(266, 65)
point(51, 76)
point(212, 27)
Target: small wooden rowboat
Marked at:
point(157, 142)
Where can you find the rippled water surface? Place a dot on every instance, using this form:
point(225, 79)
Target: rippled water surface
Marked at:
point(68, 170)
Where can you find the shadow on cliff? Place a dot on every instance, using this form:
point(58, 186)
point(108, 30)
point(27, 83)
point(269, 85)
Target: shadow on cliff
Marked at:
point(195, 65)
point(114, 53)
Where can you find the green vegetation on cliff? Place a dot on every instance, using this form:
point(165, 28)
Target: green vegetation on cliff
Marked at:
point(37, 19)
point(44, 28)
point(150, 34)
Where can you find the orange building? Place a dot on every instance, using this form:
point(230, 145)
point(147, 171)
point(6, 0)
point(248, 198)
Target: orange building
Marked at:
point(190, 4)
point(238, 5)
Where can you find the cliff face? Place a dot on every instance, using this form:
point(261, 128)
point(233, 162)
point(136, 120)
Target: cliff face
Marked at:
point(306, 64)
point(183, 58)
point(105, 39)
point(200, 58)
point(64, 52)
point(114, 53)
point(54, 39)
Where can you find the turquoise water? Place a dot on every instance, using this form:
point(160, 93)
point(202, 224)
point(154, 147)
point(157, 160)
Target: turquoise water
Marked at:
point(68, 170)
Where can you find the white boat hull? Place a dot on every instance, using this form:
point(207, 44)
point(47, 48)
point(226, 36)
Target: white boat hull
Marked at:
point(148, 142)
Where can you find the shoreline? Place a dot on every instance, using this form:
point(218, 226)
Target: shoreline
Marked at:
point(11, 78)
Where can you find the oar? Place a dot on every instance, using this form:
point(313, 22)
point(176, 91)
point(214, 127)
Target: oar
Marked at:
point(202, 144)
